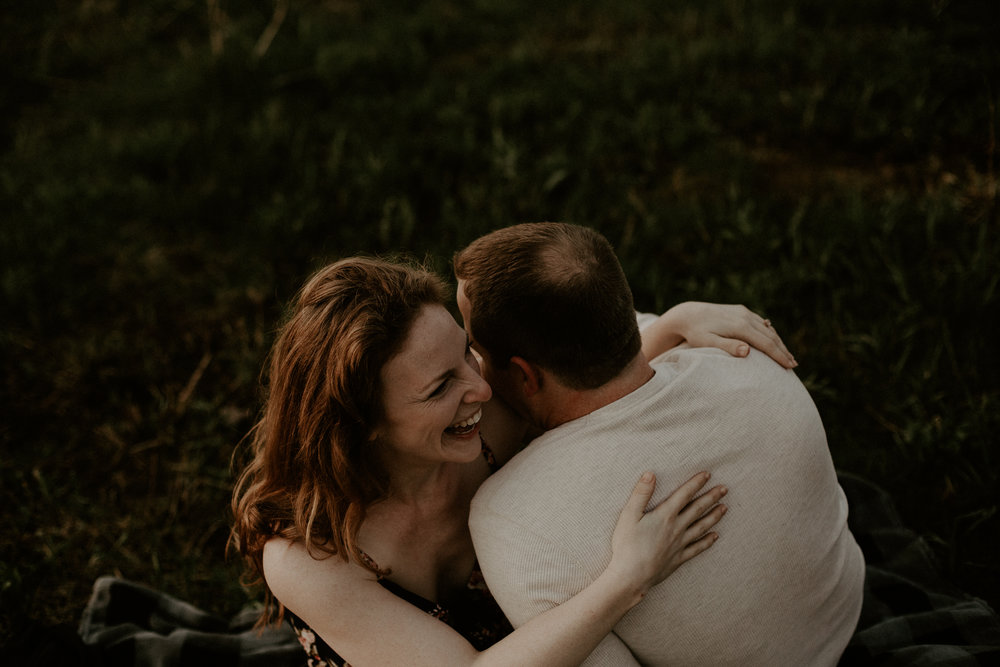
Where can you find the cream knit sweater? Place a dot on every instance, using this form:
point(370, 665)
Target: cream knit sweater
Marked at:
point(782, 586)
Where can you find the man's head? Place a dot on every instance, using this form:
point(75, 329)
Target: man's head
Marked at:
point(552, 294)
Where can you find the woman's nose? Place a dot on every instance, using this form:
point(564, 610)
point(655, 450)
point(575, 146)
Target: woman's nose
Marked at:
point(480, 391)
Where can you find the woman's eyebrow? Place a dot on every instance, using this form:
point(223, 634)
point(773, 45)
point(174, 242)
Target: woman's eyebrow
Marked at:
point(433, 384)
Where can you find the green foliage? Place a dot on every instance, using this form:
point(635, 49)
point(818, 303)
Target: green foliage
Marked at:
point(169, 175)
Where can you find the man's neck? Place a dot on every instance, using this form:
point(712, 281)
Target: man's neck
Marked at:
point(568, 404)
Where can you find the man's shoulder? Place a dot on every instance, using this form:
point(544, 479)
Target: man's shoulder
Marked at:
point(545, 472)
point(711, 367)
point(515, 480)
point(684, 356)
point(678, 404)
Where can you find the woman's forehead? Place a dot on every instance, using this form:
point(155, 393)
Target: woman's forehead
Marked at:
point(432, 346)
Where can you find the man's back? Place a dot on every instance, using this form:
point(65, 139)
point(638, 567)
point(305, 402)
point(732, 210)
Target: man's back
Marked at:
point(783, 585)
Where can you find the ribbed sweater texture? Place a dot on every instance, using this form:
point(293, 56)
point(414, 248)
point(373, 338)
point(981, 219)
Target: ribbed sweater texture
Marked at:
point(783, 584)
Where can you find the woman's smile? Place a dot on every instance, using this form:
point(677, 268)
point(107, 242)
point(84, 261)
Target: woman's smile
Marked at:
point(466, 426)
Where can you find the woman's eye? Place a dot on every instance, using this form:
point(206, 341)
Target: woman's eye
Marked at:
point(440, 389)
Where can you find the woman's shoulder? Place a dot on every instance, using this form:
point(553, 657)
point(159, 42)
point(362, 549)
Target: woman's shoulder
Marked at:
point(284, 556)
point(346, 606)
point(297, 576)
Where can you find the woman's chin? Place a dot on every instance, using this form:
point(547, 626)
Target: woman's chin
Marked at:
point(464, 440)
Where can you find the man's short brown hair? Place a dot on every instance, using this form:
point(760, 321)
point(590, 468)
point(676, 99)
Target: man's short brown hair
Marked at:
point(553, 294)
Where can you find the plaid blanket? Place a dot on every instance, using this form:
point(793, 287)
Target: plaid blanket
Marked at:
point(910, 616)
point(126, 624)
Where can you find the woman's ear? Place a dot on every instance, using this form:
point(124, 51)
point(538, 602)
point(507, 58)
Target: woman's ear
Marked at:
point(527, 375)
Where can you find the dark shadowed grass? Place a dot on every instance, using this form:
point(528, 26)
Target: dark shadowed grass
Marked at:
point(168, 182)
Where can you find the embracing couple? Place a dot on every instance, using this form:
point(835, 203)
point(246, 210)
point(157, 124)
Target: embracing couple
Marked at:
point(419, 489)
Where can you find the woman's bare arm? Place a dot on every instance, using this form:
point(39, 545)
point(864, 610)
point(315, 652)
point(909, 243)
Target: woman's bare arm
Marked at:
point(368, 625)
point(728, 327)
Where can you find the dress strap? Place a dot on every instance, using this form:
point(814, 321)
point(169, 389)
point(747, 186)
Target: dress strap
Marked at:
point(491, 460)
point(370, 562)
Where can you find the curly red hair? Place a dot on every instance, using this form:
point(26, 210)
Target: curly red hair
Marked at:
point(313, 472)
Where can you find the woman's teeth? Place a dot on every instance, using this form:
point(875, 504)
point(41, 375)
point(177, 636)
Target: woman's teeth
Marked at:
point(467, 425)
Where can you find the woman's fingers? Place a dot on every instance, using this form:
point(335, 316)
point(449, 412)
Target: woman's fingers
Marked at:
point(737, 329)
point(684, 494)
point(759, 332)
point(697, 537)
point(734, 346)
point(732, 328)
point(684, 503)
point(648, 546)
point(694, 515)
point(703, 524)
point(768, 341)
point(696, 547)
point(641, 493)
point(702, 504)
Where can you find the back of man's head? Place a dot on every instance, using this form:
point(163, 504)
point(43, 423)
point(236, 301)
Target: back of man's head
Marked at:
point(553, 294)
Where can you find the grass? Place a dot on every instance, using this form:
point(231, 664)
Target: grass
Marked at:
point(169, 178)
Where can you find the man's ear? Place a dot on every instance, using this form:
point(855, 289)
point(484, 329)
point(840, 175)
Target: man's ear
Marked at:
point(527, 375)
